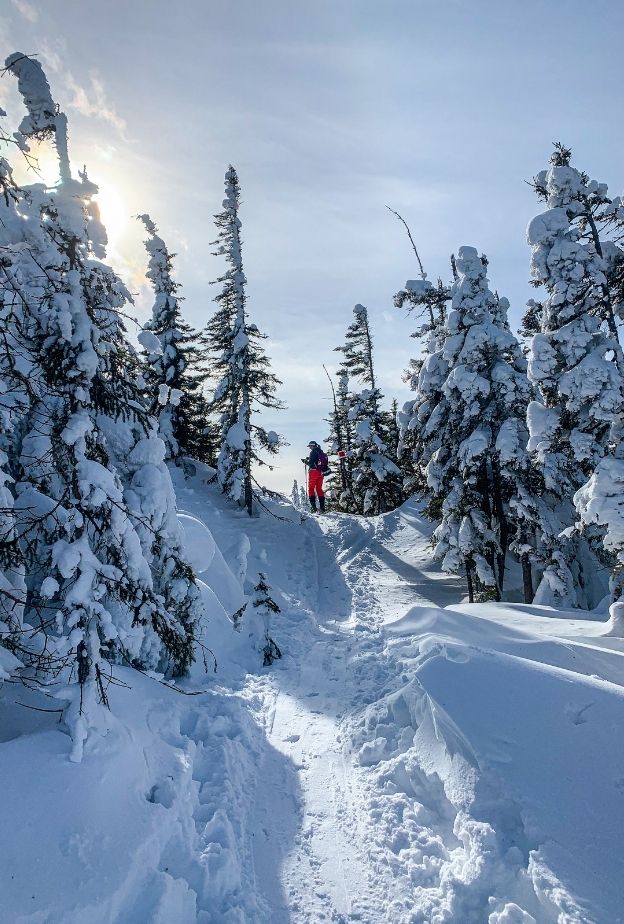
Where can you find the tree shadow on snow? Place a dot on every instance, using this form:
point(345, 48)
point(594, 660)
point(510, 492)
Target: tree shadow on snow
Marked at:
point(275, 831)
point(447, 589)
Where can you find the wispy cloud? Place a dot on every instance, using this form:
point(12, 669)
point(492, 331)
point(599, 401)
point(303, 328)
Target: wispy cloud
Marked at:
point(89, 99)
point(92, 101)
point(26, 9)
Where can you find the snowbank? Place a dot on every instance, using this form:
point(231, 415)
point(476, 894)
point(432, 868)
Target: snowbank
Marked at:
point(155, 824)
point(516, 711)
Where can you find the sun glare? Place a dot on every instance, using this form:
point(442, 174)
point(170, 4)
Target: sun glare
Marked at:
point(113, 211)
point(41, 168)
point(113, 208)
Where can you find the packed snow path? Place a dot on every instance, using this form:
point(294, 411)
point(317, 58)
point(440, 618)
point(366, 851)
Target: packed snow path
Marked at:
point(336, 871)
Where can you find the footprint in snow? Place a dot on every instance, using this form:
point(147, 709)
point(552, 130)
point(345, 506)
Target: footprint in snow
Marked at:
point(578, 716)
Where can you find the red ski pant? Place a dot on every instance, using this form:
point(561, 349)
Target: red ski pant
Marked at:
point(315, 483)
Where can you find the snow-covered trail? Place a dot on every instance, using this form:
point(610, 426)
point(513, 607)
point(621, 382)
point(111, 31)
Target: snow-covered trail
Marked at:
point(325, 876)
point(334, 871)
point(325, 873)
point(410, 759)
point(387, 562)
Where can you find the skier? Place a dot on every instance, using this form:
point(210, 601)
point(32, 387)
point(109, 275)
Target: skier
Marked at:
point(317, 467)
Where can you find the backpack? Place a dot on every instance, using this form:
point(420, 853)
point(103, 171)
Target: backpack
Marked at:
point(323, 462)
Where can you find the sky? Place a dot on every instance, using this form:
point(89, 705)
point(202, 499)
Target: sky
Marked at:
point(329, 110)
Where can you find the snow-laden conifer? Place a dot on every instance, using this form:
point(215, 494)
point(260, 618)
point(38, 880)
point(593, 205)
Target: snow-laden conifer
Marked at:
point(254, 620)
point(14, 400)
point(245, 384)
point(392, 432)
point(89, 586)
point(375, 477)
point(478, 429)
point(295, 495)
point(339, 444)
point(573, 363)
point(174, 376)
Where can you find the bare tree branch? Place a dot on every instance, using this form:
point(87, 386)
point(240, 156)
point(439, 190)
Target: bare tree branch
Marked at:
point(423, 274)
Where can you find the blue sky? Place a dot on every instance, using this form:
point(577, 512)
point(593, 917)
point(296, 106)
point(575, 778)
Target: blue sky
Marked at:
point(329, 111)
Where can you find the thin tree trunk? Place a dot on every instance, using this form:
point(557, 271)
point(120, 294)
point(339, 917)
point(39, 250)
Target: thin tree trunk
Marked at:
point(248, 494)
point(248, 452)
point(469, 583)
point(527, 578)
point(499, 511)
point(486, 506)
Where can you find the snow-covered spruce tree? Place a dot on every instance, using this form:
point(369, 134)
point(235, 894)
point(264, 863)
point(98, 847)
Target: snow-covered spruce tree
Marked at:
point(480, 433)
point(174, 375)
point(138, 452)
point(340, 440)
point(392, 432)
point(376, 480)
point(254, 619)
point(295, 495)
point(89, 586)
point(428, 303)
point(573, 363)
point(14, 399)
point(240, 365)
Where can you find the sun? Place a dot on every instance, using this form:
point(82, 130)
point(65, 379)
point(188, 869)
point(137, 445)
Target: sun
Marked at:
point(113, 211)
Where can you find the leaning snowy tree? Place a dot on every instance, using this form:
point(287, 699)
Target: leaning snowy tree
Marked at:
point(428, 304)
point(89, 586)
point(174, 376)
point(246, 384)
point(479, 434)
point(575, 362)
point(376, 480)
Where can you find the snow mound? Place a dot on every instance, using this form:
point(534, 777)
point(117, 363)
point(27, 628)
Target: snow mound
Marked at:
point(199, 545)
point(151, 827)
point(493, 727)
point(8, 664)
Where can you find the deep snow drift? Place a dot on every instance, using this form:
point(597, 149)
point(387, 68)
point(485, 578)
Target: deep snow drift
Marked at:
point(409, 759)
